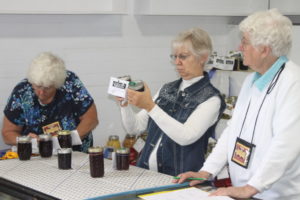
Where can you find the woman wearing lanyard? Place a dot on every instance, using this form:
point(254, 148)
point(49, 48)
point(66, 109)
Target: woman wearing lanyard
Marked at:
point(261, 142)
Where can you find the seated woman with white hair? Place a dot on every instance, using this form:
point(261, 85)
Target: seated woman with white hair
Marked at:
point(50, 98)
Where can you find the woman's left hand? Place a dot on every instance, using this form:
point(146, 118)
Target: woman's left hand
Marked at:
point(141, 99)
point(236, 192)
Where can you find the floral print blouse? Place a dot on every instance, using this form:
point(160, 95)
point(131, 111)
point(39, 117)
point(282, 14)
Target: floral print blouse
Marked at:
point(71, 101)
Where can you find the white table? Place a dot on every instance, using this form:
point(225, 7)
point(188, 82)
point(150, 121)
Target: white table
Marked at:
point(43, 175)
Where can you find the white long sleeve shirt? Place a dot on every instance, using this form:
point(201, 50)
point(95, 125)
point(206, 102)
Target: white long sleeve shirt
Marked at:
point(204, 116)
point(274, 167)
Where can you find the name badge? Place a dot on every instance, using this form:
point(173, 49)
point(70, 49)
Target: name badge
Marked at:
point(52, 128)
point(117, 87)
point(242, 152)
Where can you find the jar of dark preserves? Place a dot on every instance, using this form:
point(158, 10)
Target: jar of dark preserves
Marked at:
point(65, 139)
point(24, 147)
point(122, 159)
point(64, 158)
point(96, 162)
point(45, 145)
point(136, 85)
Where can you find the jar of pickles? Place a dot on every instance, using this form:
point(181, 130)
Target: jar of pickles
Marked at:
point(112, 144)
point(129, 140)
point(113, 141)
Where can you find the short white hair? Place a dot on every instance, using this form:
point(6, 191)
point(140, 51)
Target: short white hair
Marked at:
point(269, 28)
point(47, 70)
point(199, 40)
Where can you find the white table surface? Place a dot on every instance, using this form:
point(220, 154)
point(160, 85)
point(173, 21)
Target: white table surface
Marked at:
point(42, 174)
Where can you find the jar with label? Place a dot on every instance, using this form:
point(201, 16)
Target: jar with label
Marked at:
point(65, 139)
point(122, 159)
point(45, 145)
point(96, 162)
point(136, 85)
point(24, 147)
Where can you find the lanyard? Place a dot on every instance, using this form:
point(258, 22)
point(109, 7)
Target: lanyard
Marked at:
point(269, 90)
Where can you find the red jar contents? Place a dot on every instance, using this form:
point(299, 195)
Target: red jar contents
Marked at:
point(24, 147)
point(65, 139)
point(122, 159)
point(45, 145)
point(96, 162)
point(64, 158)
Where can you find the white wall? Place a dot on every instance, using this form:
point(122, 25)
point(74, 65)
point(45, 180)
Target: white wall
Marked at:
point(99, 46)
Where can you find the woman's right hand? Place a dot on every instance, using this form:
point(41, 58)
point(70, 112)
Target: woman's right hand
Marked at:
point(186, 175)
point(123, 102)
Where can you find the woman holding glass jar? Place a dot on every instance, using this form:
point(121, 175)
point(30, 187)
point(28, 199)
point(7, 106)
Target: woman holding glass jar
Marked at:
point(182, 115)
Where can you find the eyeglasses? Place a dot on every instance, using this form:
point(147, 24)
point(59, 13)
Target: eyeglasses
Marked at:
point(36, 87)
point(181, 57)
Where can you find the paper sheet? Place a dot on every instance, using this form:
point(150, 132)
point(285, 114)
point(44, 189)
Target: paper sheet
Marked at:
point(183, 194)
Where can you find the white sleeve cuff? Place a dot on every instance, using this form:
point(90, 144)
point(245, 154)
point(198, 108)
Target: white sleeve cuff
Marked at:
point(75, 138)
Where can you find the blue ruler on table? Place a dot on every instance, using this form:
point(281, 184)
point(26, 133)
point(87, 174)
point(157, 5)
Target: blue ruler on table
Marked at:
point(134, 193)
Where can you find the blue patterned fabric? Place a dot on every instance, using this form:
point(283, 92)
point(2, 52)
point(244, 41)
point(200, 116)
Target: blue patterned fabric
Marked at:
point(71, 101)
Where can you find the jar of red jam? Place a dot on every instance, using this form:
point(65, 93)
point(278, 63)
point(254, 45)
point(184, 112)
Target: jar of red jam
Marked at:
point(122, 159)
point(45, 145)
point(64, 158)
point(96, 161)
point(64, 139)
point(24, 147)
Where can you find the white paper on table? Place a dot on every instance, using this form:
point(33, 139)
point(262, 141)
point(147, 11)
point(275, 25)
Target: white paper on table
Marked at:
point(191, 193)
point(117, 87)
point(34, 145)
point(55, 145)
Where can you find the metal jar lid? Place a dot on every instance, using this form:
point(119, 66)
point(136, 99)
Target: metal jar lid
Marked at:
point(64, 150)
point(95, 149)
point(136, 85)
point(125, 78)
point(23, 139)
point(45, 137)
point(128, 135)
point(122, 151)
point(64, 132)
point(113, 137)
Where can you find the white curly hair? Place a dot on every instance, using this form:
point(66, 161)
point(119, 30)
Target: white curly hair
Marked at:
point(47, 70)
point(269, 28)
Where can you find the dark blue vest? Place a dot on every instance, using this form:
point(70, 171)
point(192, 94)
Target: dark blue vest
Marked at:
point(173, 158)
